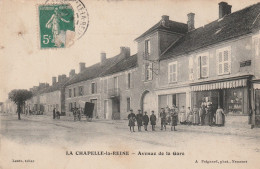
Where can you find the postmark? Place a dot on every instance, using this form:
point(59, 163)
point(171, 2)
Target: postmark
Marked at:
point(61, 22)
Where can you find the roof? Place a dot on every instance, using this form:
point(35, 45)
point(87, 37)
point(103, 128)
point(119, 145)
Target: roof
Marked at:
point(230, 26)
point(95, 70)
point(125, 64)
point(173, 26)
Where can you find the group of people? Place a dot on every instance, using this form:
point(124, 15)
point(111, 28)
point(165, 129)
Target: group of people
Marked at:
point(205, 115)
point(77, 114)
point(56, 114)
point(143, 120)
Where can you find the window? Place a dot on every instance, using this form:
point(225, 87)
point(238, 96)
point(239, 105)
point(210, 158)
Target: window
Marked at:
point(70, 93)
point(203, 65)
point(147, 71)
point(147, 47)
point(105, 85)
point(74, 91)
point(93, 88)
point(191, 68)
point(81, 91)
point(172, 72)
point(129, 76)
point(128, 101)
point(223, 61)
point(70, 106)
point(115, 82)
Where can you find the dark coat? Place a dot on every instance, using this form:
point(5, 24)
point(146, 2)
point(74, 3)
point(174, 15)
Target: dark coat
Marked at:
point(153, 119)
point(131, 118)
point(174, 118)
point(139, 119)
point(145, 120)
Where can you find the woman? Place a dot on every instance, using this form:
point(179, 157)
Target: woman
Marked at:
point(220, 117)
point(196, 116)
point(189, 116)
point(182, 116)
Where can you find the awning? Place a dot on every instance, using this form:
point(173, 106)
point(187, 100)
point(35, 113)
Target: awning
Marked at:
point(220, 85)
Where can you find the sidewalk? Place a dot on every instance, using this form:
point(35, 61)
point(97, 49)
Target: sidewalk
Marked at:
point(123, 124)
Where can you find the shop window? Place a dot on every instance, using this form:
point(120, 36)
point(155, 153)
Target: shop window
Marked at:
point(203, 66)
point(224, 61)
point(172, 72)
point(235, 100)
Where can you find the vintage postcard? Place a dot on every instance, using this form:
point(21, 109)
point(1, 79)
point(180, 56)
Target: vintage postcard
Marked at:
point(129, 84)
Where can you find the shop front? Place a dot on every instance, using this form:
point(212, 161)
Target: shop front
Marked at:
point(256, 104)
point(231, 95)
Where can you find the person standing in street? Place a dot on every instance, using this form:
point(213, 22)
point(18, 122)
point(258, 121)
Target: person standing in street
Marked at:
point(139, 119)
point(131, 118)
point(182, 115)
point(54, 113)
point(174, 119)
point(189, 116)
point(145, 120)
point(202, 113)
point(210, 114)
point(196, 116)
point(163, 119)
point(153, 120)
point(220, 117)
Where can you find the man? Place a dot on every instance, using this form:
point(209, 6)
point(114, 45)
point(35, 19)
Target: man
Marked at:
point(131, 118)
point(163, 119)
point(210, 114)
point(54, 113)
point(153, 120)
point(58, 114)
point(145, 120)
point(174, 119)
point(139, 119)
point(202, 113)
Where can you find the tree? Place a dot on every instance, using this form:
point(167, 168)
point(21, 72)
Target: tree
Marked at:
point(19, 96)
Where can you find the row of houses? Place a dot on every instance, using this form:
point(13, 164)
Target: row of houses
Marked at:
point(175, 64)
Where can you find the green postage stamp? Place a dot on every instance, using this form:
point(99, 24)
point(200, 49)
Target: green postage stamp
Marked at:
point(56, 25)
point(60, 24)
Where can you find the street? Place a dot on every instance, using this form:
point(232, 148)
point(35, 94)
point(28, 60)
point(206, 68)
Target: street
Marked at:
point(42, 139)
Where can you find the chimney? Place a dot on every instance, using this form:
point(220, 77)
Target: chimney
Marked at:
point(59, 78)
point(190, 21)
point(81, 66)
point(63, 77)
point(125, 51)
point(72, 72)
point(54, 80)
point(103, 57)
point(165, 20)
point(224, 9)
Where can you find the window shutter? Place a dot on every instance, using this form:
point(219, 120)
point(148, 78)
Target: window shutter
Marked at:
point(198, 66)
point(143, 72)
point(217, 62)
point(176, 72)
point(229, 61)
point(150, 71)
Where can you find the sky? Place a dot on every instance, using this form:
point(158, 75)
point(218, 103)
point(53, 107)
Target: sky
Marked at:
point(112, 23)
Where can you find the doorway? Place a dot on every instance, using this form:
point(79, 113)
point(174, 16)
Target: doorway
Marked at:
point(95, 107)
